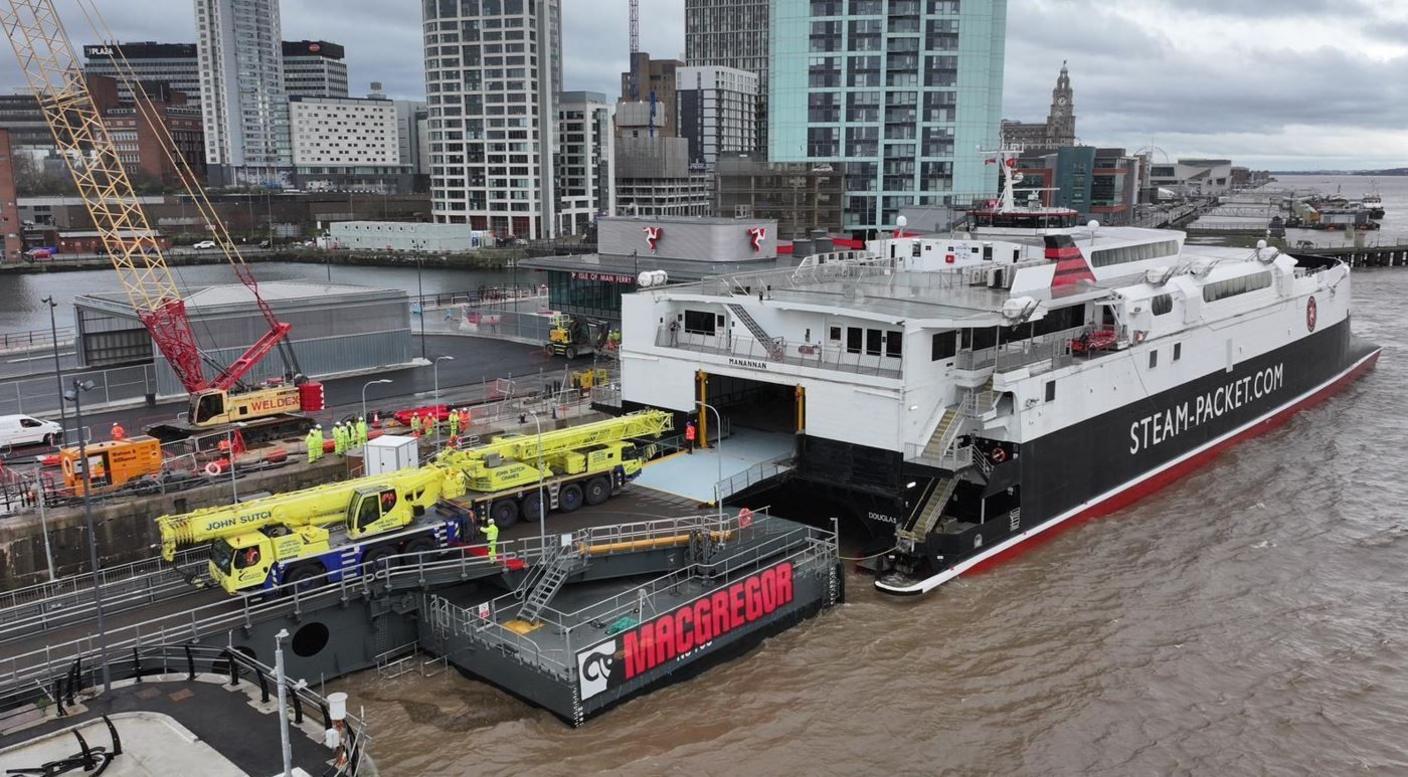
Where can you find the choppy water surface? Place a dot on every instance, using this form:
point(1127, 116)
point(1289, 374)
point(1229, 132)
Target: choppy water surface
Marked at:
point(1246, 621)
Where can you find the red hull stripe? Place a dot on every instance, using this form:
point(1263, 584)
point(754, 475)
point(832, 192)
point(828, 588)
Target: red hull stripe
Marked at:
point(1135, 490)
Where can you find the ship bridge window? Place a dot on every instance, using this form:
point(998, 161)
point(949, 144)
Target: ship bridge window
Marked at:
point(944, 346)
point(1162, 304)
point(1231, 287)
point(1106, 257)
point(699, 322)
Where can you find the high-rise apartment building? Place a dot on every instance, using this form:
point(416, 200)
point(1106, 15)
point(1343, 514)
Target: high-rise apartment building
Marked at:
point(904, 92)
point(731, 33)
point(586, 161)
point(493, 71)
point(717, 106)
point(314, 68)
point(243, 97)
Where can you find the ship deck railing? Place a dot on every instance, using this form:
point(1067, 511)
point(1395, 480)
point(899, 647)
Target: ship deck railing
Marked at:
point(776, 350)
point(1044, 353)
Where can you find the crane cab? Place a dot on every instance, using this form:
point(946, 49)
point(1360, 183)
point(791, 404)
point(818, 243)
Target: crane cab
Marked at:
point(378, 509)
point(242, 562)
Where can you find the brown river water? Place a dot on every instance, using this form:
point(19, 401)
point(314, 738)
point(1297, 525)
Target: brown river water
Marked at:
point(1248, 620)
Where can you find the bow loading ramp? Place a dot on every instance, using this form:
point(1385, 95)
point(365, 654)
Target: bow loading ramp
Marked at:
point(579, 651)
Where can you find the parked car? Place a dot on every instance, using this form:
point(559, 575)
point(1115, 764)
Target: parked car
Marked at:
point(204, 245)
point(18, 430)
point(39, 254)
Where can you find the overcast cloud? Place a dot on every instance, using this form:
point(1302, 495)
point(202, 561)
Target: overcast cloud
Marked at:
point(1287, 84)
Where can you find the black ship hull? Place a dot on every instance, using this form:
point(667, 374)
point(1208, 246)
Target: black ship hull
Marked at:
point(1101, 464)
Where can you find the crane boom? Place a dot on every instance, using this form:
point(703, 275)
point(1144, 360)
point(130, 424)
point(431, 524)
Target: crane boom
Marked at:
point(525, 448)
point(46, 56)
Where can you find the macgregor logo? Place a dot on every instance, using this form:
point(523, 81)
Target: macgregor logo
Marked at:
point(749, 363)
point(684, 631)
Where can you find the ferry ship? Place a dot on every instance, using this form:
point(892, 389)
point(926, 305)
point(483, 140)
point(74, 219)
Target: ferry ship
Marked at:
point(968, 392)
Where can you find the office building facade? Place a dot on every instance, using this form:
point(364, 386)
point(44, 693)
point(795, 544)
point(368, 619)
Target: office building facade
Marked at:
point(731, 33)
point(717, 109)
point(243, 97)
point(314, 68)
point(586, 162)
point(175, 64)
point(493, 72)
point(801, 198)
point(905, 93)
point(347, 144)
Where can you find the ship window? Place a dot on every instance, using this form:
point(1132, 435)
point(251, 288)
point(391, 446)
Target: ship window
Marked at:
point(1177, 351)
point(1162, 304)
point(873, 338)
point(894, 344)
point(1153, 358)
point(853, 339)
point(1135, 253)
point(834, 334)
point(944, 346)
point(699, 322)
point(1231, 287)
point(1050, 391)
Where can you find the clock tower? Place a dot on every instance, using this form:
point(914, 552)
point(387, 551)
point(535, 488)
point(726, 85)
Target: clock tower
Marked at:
point(1061, 122)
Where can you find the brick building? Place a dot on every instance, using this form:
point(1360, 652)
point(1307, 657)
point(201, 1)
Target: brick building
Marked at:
point(139, 134)
point(10, 225)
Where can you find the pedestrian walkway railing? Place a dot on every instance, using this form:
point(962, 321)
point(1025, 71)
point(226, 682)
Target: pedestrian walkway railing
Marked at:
point(37, 609)
point(40, 394)
point(758, 473)
point(35, 339)
point(70, 684)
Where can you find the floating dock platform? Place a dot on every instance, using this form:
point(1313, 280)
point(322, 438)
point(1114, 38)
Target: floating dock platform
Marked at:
point(580, 650)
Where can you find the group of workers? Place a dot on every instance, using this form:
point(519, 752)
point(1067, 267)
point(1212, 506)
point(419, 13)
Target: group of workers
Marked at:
point(350, 435)
point(426, 422)
point(346, 436)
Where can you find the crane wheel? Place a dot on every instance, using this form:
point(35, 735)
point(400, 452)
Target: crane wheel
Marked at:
point(371, 560)
point(504, 512)
point(598, 490)
point(532, 507)
point(569, 498)
point(571, 353)
point(418, 545)
point(300, 578)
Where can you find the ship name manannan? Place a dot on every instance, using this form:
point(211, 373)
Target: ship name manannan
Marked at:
point(757, 365)
point(1158, 428)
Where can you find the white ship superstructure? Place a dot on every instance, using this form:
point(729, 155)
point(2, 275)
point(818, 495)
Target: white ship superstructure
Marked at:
point(967, 392)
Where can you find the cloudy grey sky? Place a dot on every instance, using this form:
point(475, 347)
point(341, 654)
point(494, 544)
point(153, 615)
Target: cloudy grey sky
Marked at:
point(1286, 84)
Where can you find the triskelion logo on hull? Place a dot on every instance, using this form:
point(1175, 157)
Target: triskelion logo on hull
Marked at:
point(594, 666)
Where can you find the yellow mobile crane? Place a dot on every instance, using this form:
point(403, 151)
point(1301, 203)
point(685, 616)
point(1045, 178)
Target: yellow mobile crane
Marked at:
point(340, 529)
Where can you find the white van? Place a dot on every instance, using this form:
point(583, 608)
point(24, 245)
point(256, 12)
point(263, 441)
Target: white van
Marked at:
point(20, 430)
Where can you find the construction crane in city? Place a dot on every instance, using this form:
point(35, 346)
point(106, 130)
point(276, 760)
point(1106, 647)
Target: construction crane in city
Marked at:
point(635, 48)
point(46, 55)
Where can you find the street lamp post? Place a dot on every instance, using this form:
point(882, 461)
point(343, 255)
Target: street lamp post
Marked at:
point(435, 368)
point(58, 371)
point(281, 679)
point(364, 394)
point(542, 503)
point(74, 395)
point(718, 452)
point(420, 295)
